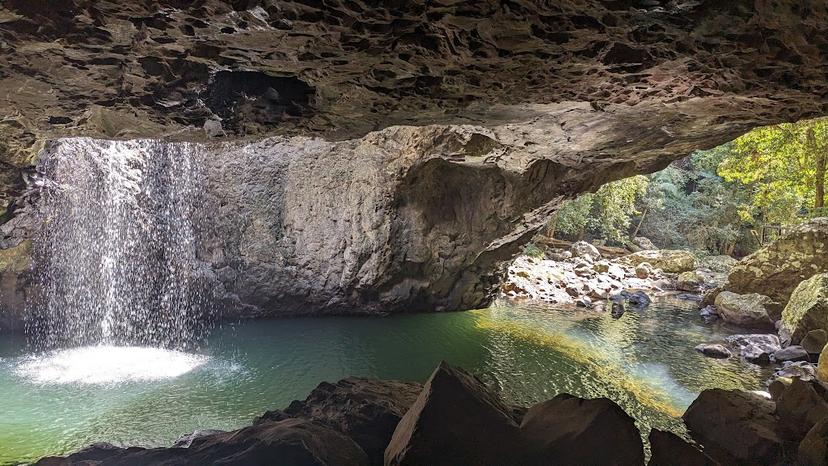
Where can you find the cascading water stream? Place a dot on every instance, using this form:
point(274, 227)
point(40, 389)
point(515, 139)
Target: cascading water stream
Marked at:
point(116, 257)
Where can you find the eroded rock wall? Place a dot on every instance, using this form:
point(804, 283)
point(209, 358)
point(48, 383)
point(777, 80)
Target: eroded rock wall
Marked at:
point(533, 101)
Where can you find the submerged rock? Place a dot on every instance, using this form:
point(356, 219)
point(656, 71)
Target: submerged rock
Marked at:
point(714, 350)
point(807, 308)
point(568, 430)
point(735, 427)
point(455, 420)
point(750, 310)
point(709, 313)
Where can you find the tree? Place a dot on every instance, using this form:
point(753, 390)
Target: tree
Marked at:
point(605, 214)
point(784, 167)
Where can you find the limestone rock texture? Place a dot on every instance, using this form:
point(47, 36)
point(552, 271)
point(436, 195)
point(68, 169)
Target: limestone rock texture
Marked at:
point(778, 268)
point(378, 150)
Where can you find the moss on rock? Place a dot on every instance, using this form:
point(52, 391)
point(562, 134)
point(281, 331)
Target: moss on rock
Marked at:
point(807, 309)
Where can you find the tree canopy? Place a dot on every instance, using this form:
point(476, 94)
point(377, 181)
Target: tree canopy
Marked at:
point(713, 200)
point(784, 168)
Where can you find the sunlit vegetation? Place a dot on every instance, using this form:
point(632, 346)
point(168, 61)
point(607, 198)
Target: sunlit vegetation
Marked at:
point(718, 201)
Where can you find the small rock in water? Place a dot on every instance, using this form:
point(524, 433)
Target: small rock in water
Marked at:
point(638, 299)
point(709, 314)
point(756, 347)
point(791, 353)
point(714, 350)
point(617, 308)
point(583, 301)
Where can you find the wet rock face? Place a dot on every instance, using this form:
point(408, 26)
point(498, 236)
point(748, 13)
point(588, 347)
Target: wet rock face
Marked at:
point(672, 75)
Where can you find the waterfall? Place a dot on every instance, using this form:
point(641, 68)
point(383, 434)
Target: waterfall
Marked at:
point(115, 260)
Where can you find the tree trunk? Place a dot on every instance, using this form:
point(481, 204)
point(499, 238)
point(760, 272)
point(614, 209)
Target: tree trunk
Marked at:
point(819, 178)
point(640, 221)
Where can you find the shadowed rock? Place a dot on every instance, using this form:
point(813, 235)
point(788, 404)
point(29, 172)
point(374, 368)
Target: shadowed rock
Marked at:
point(735, 427)
point(668, 449)
point(455, 420)
point(568, 430)
point(291, 442)
point(366, 410)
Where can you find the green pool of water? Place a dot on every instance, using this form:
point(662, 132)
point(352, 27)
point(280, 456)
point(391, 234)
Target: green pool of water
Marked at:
point(644, 361)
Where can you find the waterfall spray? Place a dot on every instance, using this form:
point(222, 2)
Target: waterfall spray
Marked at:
point(116, 259)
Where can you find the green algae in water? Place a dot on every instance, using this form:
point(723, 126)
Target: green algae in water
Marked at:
point(644, 361)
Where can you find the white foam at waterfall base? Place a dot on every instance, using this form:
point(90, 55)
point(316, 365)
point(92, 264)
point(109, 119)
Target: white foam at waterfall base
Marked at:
point(107, 364)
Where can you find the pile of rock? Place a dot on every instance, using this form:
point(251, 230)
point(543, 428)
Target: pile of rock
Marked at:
point(736, 427)
point(453, 419)
point(782, 287)
point(581, 276)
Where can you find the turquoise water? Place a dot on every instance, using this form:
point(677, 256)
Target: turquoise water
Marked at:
point(644, 361)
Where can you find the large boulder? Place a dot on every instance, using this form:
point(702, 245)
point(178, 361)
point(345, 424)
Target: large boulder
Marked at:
point(668, 449)
point(807, 308)
point(800, 406)
point(777, 269)
point(668, 260)
point(813, 449)
point(748, 310)
point(293, 442)
point(735, 427)
point(584, 249)
point(366, 410)
point(455, 420)
point(567, 430)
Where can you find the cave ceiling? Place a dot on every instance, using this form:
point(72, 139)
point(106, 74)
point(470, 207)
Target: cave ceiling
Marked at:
point(654, 78)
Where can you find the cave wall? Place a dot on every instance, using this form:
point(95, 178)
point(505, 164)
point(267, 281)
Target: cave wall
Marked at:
point(417, 144)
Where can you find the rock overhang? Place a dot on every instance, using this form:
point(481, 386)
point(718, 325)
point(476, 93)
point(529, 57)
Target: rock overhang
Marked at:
point(530, 102)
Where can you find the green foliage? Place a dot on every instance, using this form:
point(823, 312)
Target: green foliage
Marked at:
point(690, 207)
point(711, 201)
point(780, 165)
point(606, 213)
point(532, 250)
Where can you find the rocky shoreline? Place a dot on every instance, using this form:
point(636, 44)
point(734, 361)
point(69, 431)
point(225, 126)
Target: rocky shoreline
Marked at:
point(455, 419)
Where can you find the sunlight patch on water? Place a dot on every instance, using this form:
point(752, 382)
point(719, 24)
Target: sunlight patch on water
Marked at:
point(107, 365)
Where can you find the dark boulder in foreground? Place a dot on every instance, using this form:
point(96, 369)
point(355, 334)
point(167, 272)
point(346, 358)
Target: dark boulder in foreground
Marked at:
point(456, 420)
point(366, 410)
point(293, 442)
point(668, 449)
point(735, 427)
point(568, 430)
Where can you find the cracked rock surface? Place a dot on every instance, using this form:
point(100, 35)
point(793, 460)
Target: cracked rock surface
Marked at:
point(417, 144)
